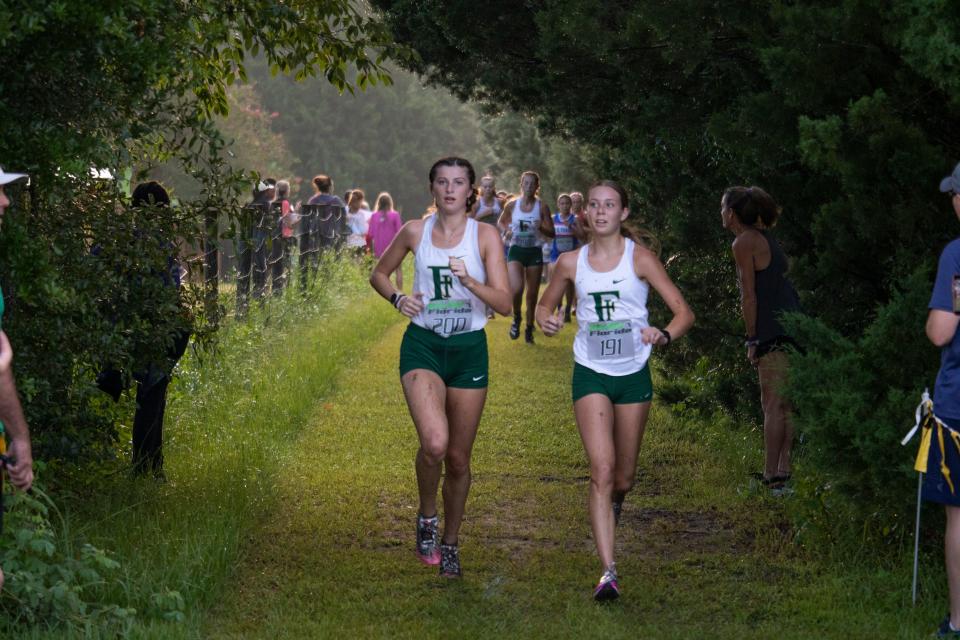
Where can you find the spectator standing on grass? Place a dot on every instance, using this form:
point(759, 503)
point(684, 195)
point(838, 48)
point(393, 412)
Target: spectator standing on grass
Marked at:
point(12, 421)
point(765, 293)
point(263, 196)
point(154, 378)
point(942, 331)
point(357, 221)
point(384, 226)
point(282, 237)
point(323, 185)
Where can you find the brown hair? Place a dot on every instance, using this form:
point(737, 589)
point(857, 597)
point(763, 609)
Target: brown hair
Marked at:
point(629, 228)
point(752, 204)
point(536, 176)
point(323, 183)
point(454, 161)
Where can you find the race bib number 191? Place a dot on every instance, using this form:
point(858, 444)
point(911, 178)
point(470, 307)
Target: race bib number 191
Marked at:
point(447, 317)
point(610, 340)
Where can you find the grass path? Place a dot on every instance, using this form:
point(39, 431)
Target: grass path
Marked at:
point(698, 554)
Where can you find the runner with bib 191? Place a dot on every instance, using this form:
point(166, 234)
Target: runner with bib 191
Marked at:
point(459, 270)
point(612, 388)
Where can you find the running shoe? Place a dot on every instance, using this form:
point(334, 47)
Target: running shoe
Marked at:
point(617, 508)
point(428, 540)
point(515, 329)
point(450, 561)
point(528, 334)
point(607, 589)
point(945, 630)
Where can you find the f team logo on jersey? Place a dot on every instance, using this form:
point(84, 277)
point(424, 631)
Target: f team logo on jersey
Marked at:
point(442, 282)
point(605, 304)
point(524, 226)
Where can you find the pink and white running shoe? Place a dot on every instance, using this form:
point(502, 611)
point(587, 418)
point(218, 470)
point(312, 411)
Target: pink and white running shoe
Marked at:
point(428, 540)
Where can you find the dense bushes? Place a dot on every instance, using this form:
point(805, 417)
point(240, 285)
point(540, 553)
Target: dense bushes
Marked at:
point(89, 287)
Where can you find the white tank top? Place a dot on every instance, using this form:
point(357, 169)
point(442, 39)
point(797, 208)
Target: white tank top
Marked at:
point(483, 209)
point(611, 311)
point(523, 225)
point(449, 307)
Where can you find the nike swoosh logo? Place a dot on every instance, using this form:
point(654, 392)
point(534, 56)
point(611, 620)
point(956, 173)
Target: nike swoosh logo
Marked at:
point(619, 281)
point(478, 378)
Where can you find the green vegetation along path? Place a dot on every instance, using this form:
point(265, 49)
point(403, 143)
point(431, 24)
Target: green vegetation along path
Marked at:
point(698, 552)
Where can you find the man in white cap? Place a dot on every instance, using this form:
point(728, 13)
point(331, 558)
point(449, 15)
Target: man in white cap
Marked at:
point(19, 463)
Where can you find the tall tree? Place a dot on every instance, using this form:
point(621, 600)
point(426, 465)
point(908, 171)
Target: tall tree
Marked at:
point(120, 85)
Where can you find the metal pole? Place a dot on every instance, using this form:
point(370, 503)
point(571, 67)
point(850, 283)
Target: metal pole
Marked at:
point(916, 539)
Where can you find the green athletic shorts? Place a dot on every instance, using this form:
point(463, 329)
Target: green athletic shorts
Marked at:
point(528, 257)
point(461, 360)
point(628, 389)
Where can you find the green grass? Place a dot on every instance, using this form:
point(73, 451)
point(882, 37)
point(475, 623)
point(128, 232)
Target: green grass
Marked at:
point(699, 551)
point(232, 418)
point(290, 508)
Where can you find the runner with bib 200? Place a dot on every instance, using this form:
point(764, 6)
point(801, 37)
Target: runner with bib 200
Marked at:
point(525, 220)
point(612, 388)
point(459, 270)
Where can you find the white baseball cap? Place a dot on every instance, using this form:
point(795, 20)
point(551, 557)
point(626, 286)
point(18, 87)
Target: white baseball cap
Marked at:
point(7, 178)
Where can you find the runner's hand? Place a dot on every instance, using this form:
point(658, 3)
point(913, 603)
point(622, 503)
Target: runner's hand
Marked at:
point(652, 335)
point(752, 355)
point(411, 305)
point(6, 353)
point(459, 269)
point(553, 324)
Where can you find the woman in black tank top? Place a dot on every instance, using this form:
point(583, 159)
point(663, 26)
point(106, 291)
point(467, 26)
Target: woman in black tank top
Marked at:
point(765, 294)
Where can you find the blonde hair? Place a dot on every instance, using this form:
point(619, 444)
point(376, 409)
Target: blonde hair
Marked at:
point(384, 202)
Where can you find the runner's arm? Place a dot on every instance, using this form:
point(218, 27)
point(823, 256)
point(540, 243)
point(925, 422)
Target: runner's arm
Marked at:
point(404, 242)
point(546, 221)
point(548, 319)
point(648, 266)
point(506, 217)
point(496, 291)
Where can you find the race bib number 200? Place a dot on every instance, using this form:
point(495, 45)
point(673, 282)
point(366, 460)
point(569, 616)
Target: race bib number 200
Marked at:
point(610, 340)
point(447, 317)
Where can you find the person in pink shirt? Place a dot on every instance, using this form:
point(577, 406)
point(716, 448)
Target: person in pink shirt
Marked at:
point(384, 224)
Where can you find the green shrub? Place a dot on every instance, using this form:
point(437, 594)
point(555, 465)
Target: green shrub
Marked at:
point(854, 400)
point(55, 582)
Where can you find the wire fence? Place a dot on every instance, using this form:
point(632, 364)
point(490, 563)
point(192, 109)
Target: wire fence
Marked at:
point(261, 259)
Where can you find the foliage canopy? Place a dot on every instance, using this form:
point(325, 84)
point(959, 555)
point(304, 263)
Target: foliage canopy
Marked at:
point(125, 86)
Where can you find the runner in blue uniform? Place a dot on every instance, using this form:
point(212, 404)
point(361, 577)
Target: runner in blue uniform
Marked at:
point(567, 238)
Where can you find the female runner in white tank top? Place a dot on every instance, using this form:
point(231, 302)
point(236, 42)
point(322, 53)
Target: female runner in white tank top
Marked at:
point(488, 206)
point(611, 382)
point(459, 270)
point(526, 220)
